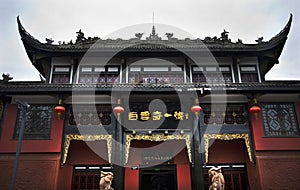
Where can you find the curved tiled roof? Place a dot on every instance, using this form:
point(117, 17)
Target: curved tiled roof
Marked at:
point(214, 44)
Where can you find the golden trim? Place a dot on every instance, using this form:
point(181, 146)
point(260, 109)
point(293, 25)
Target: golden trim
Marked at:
point(159, 137)
point(244, 136)
point(70, 137)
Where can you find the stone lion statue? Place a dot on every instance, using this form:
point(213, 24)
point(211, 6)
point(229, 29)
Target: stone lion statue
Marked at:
point(217, 179)
point(106, 180)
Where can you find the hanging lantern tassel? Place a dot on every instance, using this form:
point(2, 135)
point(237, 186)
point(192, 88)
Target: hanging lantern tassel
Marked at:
point(255, 110)
point(196, 109)
point(118, 110)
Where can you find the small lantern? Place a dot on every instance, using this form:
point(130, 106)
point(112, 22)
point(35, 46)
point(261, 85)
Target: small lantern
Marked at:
point(196, 109)
point(118, 110)
point(254, 110)
point(59, 109)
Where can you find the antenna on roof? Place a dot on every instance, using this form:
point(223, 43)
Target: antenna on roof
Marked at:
point(153, 19)
point(153, 28)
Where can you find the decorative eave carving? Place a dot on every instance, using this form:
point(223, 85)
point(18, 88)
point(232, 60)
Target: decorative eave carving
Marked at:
point(208, 137)
point(70, 137)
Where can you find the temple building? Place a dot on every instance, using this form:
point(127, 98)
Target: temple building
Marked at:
point(157, 111)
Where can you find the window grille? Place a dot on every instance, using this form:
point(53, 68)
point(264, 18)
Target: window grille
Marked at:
point(156, 74)
point(99, 74)
point(279, 119)
point(91, 115)
point(61, 74)
point(86, 178)
point(37, 122)
point(234, 114)
point(212, 74)
point(249, 73)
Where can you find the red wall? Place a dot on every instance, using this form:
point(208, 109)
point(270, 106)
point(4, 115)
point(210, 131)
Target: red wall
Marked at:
point(83, 153)
point(183, 177)
point(279, 169)
point(35, 171)
point(228, 151)
point(8, 145)
point(131, 179)
point(266, 143)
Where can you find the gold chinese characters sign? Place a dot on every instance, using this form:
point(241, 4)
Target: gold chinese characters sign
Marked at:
point(159, 137)
point(71, 137)
point(157, 157)
point(208, 137)
point(157, 116)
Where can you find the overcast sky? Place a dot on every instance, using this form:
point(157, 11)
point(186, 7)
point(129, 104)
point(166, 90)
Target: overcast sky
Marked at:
point(61, 19)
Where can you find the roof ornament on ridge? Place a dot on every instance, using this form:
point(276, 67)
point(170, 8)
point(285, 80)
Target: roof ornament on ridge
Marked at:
point(260, 40)
point(224, 36)
point(153, 35)
point(49, 40)
point(80, 36)
point(139, 35)
point(5, 78)
point(169, 35)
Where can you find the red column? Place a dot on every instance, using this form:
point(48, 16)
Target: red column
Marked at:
point(131, 179)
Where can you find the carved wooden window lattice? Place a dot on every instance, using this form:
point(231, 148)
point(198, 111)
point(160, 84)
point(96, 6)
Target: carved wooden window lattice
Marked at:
point(61, 74)
point(91, 115)
point(85, 179)
point(279, 119)
point(37, 122)
point(212, 74)
point(234, 114)
point(99, 74)
point(249, 73)
point(156, 74)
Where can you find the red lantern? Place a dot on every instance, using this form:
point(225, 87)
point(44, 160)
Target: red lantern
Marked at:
point(254, 109)
point(118, 110)
point(59, 109)
point(196, 109)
